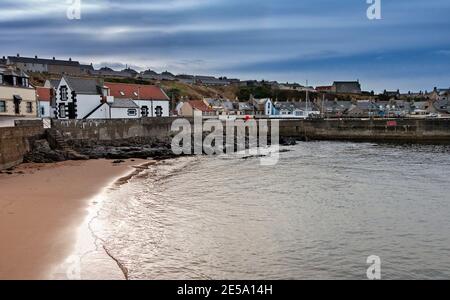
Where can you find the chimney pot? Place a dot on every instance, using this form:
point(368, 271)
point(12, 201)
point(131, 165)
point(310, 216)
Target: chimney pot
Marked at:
point(18, 55)
point(36, 56)
point(70, 58)
point(54, 58)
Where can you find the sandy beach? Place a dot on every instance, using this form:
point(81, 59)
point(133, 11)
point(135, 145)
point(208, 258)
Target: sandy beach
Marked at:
point(41, 207)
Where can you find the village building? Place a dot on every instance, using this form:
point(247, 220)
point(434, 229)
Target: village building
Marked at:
point(77, 98)
point(263, 107)
point(211, 81)
point(53, 85)
point(346, 87)
point(17, 96)
point(112, 108)
point(51, 66)
point(193, 108)
point(324, 89)
point(246, 108)
point(335, 108)
point(295, 109)
point(44, 98)
point(364, 109)
point(152, 75)
point(151, 100)
point(108, 72)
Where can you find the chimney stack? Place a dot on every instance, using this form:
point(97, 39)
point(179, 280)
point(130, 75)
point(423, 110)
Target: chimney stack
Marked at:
point(70, 58)
point(18, 55)
point(35, 57)
point(54, 58)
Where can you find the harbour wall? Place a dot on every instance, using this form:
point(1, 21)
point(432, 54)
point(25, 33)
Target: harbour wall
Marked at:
point(16, 141)
point(425, 131)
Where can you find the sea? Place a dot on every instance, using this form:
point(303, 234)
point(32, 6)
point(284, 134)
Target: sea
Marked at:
point(319, 213)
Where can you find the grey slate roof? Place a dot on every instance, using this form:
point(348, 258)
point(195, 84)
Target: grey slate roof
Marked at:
point(291, 106)
point(83, 86)
point(123, 103)
point(54, 83)
point(30, 60)
point(442, 105)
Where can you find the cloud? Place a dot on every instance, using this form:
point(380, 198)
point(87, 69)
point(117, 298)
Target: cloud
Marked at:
point(286, 39)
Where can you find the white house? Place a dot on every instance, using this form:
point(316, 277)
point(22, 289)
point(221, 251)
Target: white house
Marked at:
point(151, 100)
point(77, 98)
point(264, 107)
point(115, 109)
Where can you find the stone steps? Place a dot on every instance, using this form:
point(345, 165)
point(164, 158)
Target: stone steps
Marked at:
point(57, 140)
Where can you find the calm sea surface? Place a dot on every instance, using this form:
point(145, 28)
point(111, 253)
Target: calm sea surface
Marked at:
point(318, 214)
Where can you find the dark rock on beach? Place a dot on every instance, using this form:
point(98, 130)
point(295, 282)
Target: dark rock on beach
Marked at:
point(287, 141)
point(42, 153)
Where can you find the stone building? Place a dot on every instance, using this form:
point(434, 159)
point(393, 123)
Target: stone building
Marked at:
point(52, 66)
point(346, 87)
point(17, 96)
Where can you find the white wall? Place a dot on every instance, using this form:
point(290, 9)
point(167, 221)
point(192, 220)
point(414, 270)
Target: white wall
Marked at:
point(165, 108)
point(103, 112)
point(86, 103)
point(44, 109)
point(122, 113)
point(152, 105)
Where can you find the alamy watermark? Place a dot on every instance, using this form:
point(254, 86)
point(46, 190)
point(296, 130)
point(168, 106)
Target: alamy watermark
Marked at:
point(73, 10)
point(374, 270)
point(374, 10)
point(241, 137)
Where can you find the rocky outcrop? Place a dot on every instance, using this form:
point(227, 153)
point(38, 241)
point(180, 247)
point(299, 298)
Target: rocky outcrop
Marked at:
point(125, 152)
point(42, 153)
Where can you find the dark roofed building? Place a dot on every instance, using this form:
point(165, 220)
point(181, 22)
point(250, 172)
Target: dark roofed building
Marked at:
point(346, 87)
point(43, 65)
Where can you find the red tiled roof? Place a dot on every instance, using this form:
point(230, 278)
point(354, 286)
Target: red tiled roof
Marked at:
point(200, 105)
point(136, 91)
point(323, 88)
point(44, 94)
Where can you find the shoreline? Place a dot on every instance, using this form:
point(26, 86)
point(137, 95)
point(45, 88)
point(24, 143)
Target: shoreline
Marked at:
point(42, 207)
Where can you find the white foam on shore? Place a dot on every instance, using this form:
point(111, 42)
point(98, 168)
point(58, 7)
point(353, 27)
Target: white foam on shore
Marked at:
point(90, 259)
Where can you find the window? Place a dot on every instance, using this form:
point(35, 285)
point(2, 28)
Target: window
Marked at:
point(1, 79)
point(144, 111)
point(63, 92)
point(132, 112)
point(2, 106)
point(158, 111)
point(29, 107)
point(42, 111)
point(62, 110)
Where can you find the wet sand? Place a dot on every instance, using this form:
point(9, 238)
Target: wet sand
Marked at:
point(41, 207)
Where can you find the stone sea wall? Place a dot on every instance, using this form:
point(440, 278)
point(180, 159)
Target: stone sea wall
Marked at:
point(16, 141)
point(427, 131)
point(151, 137)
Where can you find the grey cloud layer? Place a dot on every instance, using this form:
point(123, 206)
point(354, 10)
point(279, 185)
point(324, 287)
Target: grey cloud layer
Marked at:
point(253, 38)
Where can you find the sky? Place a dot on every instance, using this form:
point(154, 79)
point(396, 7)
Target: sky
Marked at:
point(284, 40)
